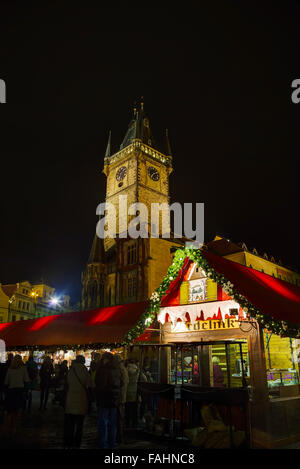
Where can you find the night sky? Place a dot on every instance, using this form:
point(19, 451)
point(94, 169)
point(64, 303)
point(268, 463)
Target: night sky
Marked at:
point(219, 78)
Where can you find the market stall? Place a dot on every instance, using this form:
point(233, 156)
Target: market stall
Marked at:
point(212, 328)
point(205, 298)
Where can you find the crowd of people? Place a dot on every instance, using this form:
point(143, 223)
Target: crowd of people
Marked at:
point(110, 384)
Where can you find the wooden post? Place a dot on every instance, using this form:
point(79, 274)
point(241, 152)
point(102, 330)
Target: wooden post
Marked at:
point(176, 363)
point(164, 364)
point(243, 369)
point(204, 365)
point(259, 403)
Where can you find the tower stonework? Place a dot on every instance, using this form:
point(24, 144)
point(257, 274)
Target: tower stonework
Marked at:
point(122, 269)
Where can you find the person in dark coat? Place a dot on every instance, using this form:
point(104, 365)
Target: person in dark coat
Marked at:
point(63, 371)
point(3, 370)
point(46, 373)
point(108, 382)
point(32, 370)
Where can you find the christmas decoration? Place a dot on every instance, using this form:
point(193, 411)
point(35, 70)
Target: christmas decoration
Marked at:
point(282, 328)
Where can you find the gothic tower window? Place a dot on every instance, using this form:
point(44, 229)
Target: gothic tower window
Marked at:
point(101, 294)
point(131, 287)
point(93, 292)
point(132, 254)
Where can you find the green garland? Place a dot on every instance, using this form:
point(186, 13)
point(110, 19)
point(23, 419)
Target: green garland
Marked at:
point(282, 328)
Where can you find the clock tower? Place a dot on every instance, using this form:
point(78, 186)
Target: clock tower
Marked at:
point(138, 171)
point(130, 269)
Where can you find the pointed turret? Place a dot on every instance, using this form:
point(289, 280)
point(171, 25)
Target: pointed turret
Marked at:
point(168, 150)
point(97, 254)
point(108, 148)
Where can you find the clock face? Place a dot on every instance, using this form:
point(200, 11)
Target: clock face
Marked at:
point(153, 173)
point(121, 173)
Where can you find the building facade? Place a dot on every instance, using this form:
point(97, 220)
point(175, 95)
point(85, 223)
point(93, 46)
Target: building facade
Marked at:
point(252, 258)
point(122, 269)
point(24, 300)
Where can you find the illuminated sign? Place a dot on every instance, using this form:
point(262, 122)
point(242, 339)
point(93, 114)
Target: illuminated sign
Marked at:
point(209, 325)
point(197, 290)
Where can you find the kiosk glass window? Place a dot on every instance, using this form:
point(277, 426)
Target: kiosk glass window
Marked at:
point(282, 356)
point(147, 359)
point(218, 364)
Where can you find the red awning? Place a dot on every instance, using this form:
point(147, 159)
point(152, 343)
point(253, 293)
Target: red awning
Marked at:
point(104, 325)
point(270, 295)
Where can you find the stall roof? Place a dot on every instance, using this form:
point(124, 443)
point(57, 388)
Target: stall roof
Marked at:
point(272, 296)
point(85, 328)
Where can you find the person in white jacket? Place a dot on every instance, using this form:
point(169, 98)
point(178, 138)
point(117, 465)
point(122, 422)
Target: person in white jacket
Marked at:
point(131, 408)
point(15, 380)
point(77, 402)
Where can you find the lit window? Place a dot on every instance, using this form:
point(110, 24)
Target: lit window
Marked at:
point(282, 365)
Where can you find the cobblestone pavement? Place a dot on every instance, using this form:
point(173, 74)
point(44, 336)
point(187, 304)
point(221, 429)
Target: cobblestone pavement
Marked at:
point(44, 430)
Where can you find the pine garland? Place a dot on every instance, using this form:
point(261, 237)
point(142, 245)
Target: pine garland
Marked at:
point(282, 328)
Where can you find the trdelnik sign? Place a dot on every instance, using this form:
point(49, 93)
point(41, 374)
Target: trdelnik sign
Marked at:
point(2, 92)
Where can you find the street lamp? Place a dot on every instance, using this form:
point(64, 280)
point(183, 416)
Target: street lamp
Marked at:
point(34, 295)
point(54, 301)
point(9, 310)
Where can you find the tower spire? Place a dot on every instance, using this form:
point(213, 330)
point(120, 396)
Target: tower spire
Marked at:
point(108, 148)
point(139, 127)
